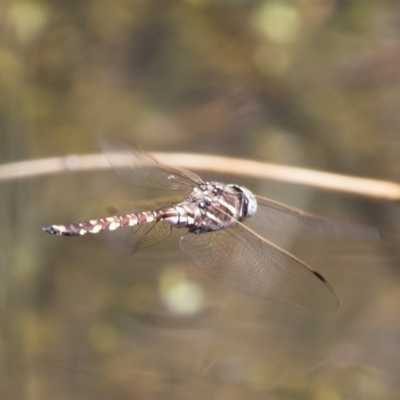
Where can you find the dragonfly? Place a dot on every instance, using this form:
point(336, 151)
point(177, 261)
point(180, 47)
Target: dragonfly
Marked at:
point(219, 238)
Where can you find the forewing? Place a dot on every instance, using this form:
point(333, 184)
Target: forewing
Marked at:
point(254, 266)
point(275, 220)
point(145, 205)
point(141, 169)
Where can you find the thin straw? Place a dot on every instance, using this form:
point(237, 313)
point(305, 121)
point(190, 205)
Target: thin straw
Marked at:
point(318, 179)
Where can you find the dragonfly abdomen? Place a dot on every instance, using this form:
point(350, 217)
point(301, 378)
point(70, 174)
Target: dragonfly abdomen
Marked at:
point(101, 224)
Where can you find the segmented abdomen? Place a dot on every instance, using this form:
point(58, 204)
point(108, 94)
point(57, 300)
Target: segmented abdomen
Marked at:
point(110, 223)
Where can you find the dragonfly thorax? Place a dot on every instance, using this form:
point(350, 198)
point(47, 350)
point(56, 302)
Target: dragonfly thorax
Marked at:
point(217, 206)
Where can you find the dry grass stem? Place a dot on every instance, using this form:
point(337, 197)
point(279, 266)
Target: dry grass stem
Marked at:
point(236, 166)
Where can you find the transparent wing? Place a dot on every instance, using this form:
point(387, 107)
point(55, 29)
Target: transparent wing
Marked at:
point(275, 220)
point(130, 240)
point(248, 263)
point(145, 205)
point(141, 169)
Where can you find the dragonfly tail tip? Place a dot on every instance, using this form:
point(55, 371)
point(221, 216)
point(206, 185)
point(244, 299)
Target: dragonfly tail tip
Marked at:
point(50, 229)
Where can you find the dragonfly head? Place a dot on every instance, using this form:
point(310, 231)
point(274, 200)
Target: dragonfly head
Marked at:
point(250, 200)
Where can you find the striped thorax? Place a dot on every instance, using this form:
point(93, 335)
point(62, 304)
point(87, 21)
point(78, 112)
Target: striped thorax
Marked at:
point(217, 206)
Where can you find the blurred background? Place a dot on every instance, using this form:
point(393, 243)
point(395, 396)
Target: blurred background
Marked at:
point(308, 83)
